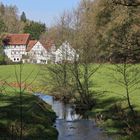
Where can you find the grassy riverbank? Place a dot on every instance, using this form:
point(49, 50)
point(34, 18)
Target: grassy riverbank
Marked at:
point(111, 108)
point(38, 118)
point(108, 92)
point(111, 104)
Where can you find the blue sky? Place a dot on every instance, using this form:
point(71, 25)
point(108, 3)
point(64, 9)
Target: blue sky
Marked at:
point(43, 10)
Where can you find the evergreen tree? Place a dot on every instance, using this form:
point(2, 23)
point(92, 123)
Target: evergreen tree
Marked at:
point(2, 58)
point(2, 26)
point(23, 17)
point(2, 9)
point(35, 29)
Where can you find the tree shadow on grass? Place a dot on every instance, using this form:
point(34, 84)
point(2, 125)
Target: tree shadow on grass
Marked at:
point(103, 103)
point(114, 116)
point(38, 118)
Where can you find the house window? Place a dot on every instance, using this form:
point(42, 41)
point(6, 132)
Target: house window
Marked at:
point(17, 59)
point(14, 59)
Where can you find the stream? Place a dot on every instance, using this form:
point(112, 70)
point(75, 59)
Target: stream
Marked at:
point(70, 125)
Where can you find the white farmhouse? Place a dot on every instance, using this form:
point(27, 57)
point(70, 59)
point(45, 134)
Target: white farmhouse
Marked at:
point(65, 53)
point(15, 46)
point(39, 53)
point(36, 52)
point(51, 48)
point(19, 47)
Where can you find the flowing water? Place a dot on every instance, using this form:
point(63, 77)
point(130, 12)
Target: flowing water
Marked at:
point(70, 125)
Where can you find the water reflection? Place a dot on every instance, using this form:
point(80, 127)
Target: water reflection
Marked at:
point(79, 130)
point(70, 125)
point(63, 111)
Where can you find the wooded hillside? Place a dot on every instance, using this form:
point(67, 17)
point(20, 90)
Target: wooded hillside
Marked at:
point(12, 22)
point(108, 29)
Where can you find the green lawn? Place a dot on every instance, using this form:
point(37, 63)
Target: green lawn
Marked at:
point(110, 90)
point(102, 81)
point(8, 71)
point(30, 76)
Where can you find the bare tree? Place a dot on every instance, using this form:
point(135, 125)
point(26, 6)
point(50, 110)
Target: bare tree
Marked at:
point(83, 73)
point(83, 69)
point(23, 84)
point(59, 72)
point(127, 77)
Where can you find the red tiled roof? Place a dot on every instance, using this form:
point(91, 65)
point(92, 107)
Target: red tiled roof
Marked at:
point(48, 45)
point(31, 44)
point(17, 39)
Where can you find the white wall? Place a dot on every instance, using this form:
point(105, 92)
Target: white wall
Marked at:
point(65, 52)
point(38, 54)
point(15, 52)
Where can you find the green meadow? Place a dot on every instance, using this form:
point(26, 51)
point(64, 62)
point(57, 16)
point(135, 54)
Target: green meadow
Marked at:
point(8, 72)
point(102, 81)
point(107, 92)
point(107, 88)
point(30, 75)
